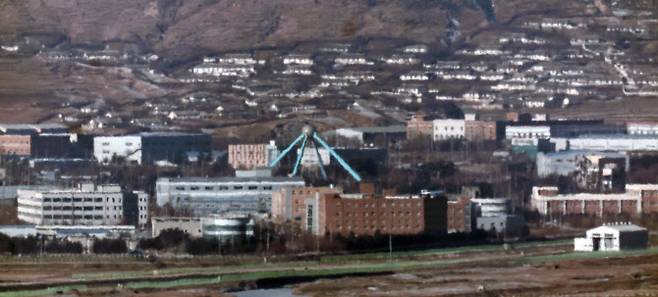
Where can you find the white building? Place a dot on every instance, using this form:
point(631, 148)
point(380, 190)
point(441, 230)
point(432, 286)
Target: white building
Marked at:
point(310, 158)
point(642, 128)
point(297, 59)
point(443, 129)
point(519, 134)
point(203, 196)
point(223, 227)
point(621, 143)
point(86, 205)
point(613, 237)
point(108, 147)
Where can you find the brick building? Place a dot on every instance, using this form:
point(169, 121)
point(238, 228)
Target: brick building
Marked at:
point(638, 199)
point(480, 130)
point(418, 126)
point(19, 145)
point(459, 214)
point(360, 214)
point(251, 156)
point(289, 204)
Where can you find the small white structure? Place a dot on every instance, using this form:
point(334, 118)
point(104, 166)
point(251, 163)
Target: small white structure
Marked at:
point(613, 237)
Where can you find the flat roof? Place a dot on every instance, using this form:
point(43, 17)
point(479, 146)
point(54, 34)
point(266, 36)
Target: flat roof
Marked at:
point(230, 179)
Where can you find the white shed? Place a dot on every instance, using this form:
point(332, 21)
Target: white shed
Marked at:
point(613, 237)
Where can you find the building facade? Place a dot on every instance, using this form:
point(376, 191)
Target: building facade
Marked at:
point(289, 204)
point(418, 126)
point(251, 156)
point(151, 147)
point(638, 199)
point(479, 130)
point(19, 145)
point(205, 196)
point(86, 205)
point(445, 129)
point(613, 237)
point(360, 214)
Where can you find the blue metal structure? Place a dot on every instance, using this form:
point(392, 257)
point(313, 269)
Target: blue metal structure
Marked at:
point(309, 134)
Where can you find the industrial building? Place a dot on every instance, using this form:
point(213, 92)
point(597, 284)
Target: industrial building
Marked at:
point(567, 162)
point(613, 237)
point(150, 147)
point(613, 142)
point(638, 199)
point(249, 194)
point(86, 205)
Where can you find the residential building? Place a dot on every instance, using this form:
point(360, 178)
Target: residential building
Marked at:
point(86, 205)
point(638, 199)
point(251, 156)
point(479, 130)
point(362, 214)
point(445, 129)
point(150, 147)
point(613, 237)
point(204, 196)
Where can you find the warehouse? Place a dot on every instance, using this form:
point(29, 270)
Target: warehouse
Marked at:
point(613, 237)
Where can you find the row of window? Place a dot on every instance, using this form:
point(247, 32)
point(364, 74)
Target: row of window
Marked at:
point(382, 205)
point(373, 227)
point(372, 214)
point(78, 217)
point(87, 208)
point(221, 188)
point(96, 200)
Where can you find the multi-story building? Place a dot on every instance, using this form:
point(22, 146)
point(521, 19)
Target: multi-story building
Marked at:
point(360, 214)
point(373, 136)
point(418, 126)
point(638, 199)
point(479, 130)
point(251, 156)
point(204, 196)
point(459, 214)
point(19, 145)
point(150, 147)
point(86, 205)
point(289, 204)
point(444, 129)
point(616, 142)
point(528, 134)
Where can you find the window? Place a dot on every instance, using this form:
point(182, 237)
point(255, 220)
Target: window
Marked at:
point(237, 188)
point(179, 188)
point(209, 188)
point(194, 188)
point(223, 188)
point(253, 187)
point(267, 188)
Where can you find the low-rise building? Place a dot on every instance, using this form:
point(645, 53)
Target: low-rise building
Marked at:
point(638, 199)
point(613, 237)
point(374, 136)
point(87, 205)
point(189, 225)
point(251, 156)
point(204, 196)
point(150, 147)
